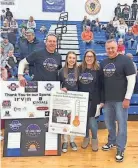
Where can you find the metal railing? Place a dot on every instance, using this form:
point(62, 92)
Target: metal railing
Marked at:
point(59, 31)
point(61, 28)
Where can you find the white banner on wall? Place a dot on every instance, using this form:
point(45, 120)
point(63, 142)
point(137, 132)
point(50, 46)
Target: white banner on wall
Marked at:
point(68, 112)
point(7, 2)
point(31, 101)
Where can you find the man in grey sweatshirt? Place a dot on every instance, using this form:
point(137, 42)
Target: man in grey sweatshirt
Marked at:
point(6, 45)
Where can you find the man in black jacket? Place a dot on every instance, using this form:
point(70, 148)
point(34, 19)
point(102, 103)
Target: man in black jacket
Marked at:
point(9, 14)
point(117, 11)
point(134, 8)
point(110, 30)
point(29, 45)
point(85, 22)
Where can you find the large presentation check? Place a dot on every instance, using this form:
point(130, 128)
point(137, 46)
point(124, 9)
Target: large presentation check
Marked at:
point(68, 112)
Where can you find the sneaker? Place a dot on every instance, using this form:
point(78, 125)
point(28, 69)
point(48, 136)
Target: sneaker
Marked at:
point(1, 138)
point(95, 145)
point(65, 147)
point(107, 147)
point(73, 146)
point(85, 143)
point(119, 156)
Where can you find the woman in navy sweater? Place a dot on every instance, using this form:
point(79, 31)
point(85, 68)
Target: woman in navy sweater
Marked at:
point(90, 80)
point(68, 76)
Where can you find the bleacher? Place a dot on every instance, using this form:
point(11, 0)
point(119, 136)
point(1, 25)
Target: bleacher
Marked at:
point(71, 41)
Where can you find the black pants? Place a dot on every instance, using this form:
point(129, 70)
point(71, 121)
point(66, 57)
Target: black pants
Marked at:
point(126, 16)
point(134, 14)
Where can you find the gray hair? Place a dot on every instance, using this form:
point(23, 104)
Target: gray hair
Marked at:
point(46, 38)
point(111, 40)
point(129, 55)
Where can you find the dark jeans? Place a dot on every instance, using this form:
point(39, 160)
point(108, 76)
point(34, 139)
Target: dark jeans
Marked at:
point(109, 35)
point(131, 44)
point(14, 71)
point(126, 16)
point(134, 14)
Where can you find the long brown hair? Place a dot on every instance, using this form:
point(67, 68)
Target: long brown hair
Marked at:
point(95, 65)
point(66, 65)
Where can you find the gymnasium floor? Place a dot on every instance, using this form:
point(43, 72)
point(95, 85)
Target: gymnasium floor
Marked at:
point(83, 158)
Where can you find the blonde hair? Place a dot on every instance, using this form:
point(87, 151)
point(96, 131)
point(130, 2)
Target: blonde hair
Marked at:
point(66, 65)
point(31, 19)
point(122, 21)
point(95, 65)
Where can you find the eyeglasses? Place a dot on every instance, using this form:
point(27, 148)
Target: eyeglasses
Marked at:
point(28, 35)
point(89, 56)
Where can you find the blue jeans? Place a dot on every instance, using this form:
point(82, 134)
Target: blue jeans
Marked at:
point(20, 31)
point(92, 124)
point(132, 44)
point(88, 45)
point(14, 71)
point(97, 29)
point(114, 111)
point(121, 35)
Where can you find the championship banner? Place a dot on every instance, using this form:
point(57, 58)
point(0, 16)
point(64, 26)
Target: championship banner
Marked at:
point(68, 112)
point(31, 101)
point(53, 5)
point(30, 137)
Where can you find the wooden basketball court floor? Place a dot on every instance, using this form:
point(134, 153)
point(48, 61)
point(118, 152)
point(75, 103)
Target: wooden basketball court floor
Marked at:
point(83, 158)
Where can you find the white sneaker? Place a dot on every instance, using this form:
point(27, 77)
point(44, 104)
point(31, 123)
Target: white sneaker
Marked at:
point(73, 146)
point(107, 147)
point(65, 147)
point(1, 138)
